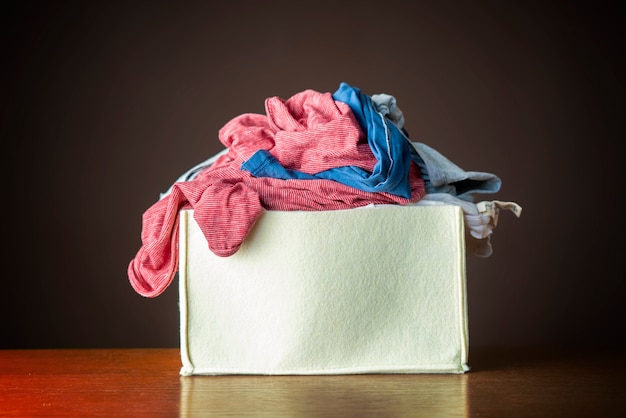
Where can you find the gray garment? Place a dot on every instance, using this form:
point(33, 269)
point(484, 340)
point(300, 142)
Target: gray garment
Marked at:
point(443, 176)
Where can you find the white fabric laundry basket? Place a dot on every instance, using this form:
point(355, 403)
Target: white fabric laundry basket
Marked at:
point(379, 289)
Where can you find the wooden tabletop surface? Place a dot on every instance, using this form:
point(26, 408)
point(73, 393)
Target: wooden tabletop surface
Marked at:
point(146, 382)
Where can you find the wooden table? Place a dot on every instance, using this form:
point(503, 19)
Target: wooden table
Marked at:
point(145, 382)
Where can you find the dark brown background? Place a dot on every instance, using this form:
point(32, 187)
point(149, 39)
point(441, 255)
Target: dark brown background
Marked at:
point(104, 106)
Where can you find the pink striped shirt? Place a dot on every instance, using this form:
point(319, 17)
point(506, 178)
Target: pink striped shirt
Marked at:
point(309, 132)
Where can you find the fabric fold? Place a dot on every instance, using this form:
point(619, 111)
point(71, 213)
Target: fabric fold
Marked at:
point(227, 201)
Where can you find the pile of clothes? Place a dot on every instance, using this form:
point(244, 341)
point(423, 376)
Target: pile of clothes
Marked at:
point(313, 151)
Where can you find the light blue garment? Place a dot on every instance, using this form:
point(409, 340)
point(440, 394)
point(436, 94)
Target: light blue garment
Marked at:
point(387, 105)
point(388, 144)
point(443, 176)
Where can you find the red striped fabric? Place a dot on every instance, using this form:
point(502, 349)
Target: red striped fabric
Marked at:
point(309, 132)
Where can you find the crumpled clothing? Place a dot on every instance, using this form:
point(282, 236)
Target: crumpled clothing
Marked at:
point(309, 132)
point(388, 144)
